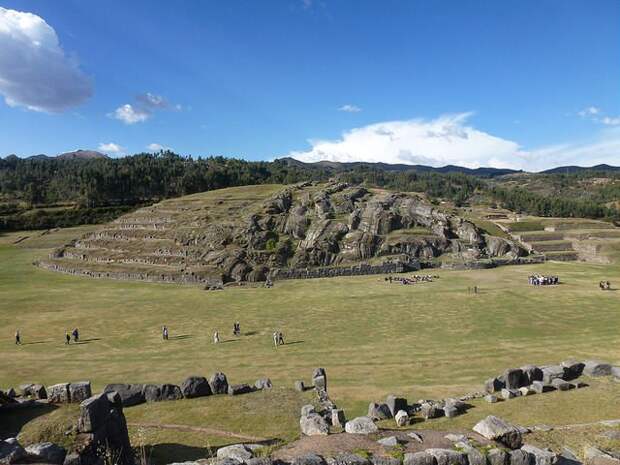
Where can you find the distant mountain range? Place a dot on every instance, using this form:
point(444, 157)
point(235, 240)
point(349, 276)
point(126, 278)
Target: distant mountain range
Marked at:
point(337, 166)
point(578, 169)
point(75, 155)
point(480, 172)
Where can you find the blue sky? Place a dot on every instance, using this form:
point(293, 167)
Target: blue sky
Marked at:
point(526, 84)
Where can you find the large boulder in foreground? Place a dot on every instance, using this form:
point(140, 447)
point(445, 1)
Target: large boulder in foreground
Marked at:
point(594, 456)
point(218, 383)
point(237, 389)
point(237, 452)
point(195, 386)
point(308, 459)
point(496, 429)
point(514, 378)
point(58, 393)
point(596, 368)
point(46, 452)
point(102, 428)
point(447, 456)
point(11, 451)
point(573, 369)
point(79, 391)
point(418, 458)
point(347, 458)
point(361, 425)
point(313, 425)
point(379, 411)
point(130, 394)
point(395, 404)
point(540, 456)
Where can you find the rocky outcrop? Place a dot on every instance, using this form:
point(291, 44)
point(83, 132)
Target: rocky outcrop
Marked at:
point(305, 230)
point(11, 451)
point(218, 383)
point(130, 394)
point(361, 425)
point(102, 430)
point(313, 424)
point(195, 386)
point(499, 430)
point(46, 452)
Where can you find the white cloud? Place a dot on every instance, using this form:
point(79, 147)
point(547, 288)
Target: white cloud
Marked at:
point(598, 116)
point(589, 112)
point(128, 114)
point(450, 140)
point(611, 121)
point(143, 108)
point(350, 108)
point(442, 141)
point(35, 72)
point(604, 148)
point(153, 101)
point(154, 147)
point(111, 147)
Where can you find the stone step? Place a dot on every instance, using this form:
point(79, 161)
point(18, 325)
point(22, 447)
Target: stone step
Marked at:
point(564, 256)
point(540, 236)
point(552, 246)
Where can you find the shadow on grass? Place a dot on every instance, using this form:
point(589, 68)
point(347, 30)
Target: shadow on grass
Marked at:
point(35, 342)
point(160, 454)
point(180, 337)
point(13, 420)
point(293, 342)
point(87, 341)
point(229, 340)
point(250, 333)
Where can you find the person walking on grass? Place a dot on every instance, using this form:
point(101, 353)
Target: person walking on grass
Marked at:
point(164, 333)
point(18, 339)
point(67, 338)
point(281, 338)
point(216, 337)
point(76, 335)
point(275, 339)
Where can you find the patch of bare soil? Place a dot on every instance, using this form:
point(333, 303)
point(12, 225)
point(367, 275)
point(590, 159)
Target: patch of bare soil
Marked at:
point(341, 443)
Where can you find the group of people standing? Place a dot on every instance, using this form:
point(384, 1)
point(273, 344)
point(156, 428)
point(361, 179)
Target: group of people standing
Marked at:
point(540, 280)
point(604, 285)
point(411, 280)
point(75, 333)
point(278, 339)
point(76, 336)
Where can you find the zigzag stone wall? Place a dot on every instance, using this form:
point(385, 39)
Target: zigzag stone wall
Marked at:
point(330, 272)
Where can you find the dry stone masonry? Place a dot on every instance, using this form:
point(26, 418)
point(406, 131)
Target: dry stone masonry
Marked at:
point(531, 379)
point(102, 429)
point(307, 230)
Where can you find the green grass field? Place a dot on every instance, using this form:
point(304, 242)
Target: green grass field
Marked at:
point(423, 341)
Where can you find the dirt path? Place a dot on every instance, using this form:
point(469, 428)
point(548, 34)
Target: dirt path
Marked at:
point(594, 423)
point(198, 429)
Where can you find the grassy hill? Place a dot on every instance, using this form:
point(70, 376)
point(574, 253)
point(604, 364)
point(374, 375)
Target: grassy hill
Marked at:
point(255, 233)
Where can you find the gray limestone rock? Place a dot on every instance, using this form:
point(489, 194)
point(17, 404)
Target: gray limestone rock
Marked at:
point(361, 425)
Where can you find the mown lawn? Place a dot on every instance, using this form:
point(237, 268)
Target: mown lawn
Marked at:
point(423, 341)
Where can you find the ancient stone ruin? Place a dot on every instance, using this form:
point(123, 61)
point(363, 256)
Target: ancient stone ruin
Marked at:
point(101, 431)
point(307, 230)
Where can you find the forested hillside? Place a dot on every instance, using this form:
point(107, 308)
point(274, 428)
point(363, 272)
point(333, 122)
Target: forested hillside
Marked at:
point(43, 192)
